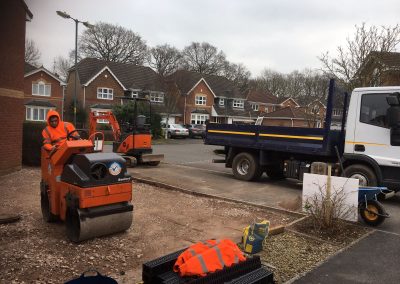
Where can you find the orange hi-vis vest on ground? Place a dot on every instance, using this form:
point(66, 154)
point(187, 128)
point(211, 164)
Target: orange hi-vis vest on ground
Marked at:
point(192, 251)
point(223, 254)
point(56, 136)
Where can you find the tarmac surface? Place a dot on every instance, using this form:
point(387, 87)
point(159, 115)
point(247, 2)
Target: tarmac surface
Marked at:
point(188, 164)
point(374, 259)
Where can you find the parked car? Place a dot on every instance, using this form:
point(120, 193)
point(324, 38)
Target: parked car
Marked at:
point(196, 130)
point(176, 130)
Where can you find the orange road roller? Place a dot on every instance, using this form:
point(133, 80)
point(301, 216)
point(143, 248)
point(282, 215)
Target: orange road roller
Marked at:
point(90, 191)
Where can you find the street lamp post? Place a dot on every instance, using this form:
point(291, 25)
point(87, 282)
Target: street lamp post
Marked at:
point(86, 24)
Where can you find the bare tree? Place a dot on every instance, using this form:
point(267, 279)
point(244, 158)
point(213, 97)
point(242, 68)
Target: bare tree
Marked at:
point(203, 58)
point(113, 43)
point(271, 81)
point(171, 99)
point(238, 73)
point(61, 66)
point(164, 59)
point(352, 56)
point(32, 53)
point(305, 86)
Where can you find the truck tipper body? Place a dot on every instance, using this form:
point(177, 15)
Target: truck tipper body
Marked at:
point(365, 144)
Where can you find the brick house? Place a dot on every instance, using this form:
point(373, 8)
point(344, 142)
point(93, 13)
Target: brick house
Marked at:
point(43, 91)
point(100, 83)
point(14, 14)
point(380, 69)
point(287, 116)
point(262, 101)
point(210, 98)
point(286, 102)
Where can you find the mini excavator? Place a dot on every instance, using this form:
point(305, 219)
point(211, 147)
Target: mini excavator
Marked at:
point(91, 191)
point(134, 143)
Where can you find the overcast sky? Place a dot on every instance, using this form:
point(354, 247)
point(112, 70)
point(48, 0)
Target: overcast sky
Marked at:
point(284, 35)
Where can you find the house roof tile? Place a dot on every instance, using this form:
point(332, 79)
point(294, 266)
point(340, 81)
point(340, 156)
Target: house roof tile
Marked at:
point(389, 59)
point(131, 76)
point(39, 103)
point(221, 86)
point(287, 112)
point(29, 68)
point(259, 96)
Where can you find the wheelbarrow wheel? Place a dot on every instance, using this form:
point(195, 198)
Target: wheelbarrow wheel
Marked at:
point(372, 214)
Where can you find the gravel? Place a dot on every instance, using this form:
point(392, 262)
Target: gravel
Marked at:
point(33, 251)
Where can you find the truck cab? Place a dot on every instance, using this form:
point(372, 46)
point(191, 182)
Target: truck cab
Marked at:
point(370, 152)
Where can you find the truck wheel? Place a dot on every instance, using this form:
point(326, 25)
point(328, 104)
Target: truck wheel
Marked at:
point(367, 213)
point(45, 204)
point(363, 173)
point(245, 166)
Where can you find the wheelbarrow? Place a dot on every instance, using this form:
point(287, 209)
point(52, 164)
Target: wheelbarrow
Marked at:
point(371, 210)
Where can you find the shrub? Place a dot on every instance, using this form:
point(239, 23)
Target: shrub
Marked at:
point(32, 142)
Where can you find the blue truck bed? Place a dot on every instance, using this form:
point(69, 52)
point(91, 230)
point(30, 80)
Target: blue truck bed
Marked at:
point(306, 141)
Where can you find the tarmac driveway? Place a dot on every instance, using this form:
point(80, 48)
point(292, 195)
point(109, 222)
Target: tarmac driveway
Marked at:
point(188, 164)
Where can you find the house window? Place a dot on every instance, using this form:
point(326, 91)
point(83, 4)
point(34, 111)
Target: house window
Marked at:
point(199, 118)
point(238, 103)
point(41, 89)
point(96, 111)
point(34, 113)
point(221, 102)
point(201, 100)
point(337, 112)
point(134, 94)
point(105, 93)
point(254, 107)
point(157, 98)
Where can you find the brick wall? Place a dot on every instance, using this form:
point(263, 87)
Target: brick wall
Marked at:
point(285, 122)
point(12, 45)
point(201, 88)
point(56, 90)
point(104, 80)
point(11, 116)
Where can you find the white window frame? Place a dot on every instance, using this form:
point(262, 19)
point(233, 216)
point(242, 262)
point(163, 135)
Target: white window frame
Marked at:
point(221, 102)
point(337, 112)
point(254, 107)
point(157, 97)
point(30, 111)
point(201, 100)
point(198, 118)
point(105, 93)
point(45, 87)
point(238, 104)
point(96, 110)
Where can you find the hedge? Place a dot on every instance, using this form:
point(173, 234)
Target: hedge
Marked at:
point(32, 142)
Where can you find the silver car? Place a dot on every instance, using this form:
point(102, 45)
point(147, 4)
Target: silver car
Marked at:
point(177, 130)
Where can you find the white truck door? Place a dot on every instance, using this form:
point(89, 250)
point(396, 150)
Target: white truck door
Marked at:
point(372, 134)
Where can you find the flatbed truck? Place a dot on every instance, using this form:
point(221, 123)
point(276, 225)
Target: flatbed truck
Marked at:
point(366, 144)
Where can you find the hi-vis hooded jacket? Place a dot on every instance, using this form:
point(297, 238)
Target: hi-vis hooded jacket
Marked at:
point(56, 136)
point(208, 257)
